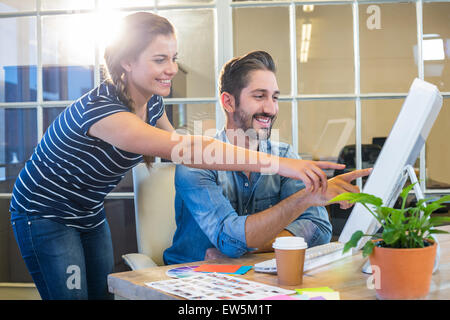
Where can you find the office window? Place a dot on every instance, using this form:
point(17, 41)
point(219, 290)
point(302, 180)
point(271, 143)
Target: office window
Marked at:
point(283, 123)
point(113, 4)
point(388, 38)
point(18, 59)
point(265, 29)
point(193, 118)
point(253, 0)
point(186, 2)
point(387, 46)
point(438, 151)
point(67, 4)
point(325, 127)
point(68, 58)
point(196, 52)
point(49, 114)
point(325, 60)
point(201, 113)
point(17, 6)
point(18, 138)
point(436, 44)
point(377, 118)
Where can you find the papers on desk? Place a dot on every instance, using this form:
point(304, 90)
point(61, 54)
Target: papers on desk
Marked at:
point(215, 286)
point(322, 293)
point(188, 271)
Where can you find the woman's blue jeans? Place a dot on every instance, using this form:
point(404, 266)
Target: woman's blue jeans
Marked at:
point(65, 262)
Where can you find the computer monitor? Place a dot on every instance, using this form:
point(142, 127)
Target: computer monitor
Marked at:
point(402, 147)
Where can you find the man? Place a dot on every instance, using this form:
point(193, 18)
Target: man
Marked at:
point(230, 213)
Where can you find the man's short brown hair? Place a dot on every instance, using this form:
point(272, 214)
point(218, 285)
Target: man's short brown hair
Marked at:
point(234, 75)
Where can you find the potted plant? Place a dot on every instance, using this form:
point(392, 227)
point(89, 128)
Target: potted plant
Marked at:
point(405, 254)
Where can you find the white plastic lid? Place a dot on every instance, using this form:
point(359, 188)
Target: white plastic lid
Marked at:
point(289, 243)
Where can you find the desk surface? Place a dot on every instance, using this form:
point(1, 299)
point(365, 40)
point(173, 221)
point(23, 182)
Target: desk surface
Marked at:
point(344, 276)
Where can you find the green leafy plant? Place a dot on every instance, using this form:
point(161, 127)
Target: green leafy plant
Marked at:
point(402, 228)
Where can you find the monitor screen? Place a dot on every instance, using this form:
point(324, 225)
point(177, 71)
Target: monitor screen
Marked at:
point(402, 147)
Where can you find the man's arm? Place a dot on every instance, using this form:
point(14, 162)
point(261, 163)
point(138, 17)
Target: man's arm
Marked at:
point(216, 217)
point(233, 235)
point(261, 228)
point(313, 224)
point(289, 187)
point(214, 253)
point(268, 246)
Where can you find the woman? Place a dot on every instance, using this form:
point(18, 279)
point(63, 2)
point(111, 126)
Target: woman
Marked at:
point(57, 204)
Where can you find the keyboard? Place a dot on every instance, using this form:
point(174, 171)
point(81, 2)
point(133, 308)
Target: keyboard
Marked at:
point(314, 257)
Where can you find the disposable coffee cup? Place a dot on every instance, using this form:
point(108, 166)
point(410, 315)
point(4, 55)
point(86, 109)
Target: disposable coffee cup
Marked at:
point(290, 258)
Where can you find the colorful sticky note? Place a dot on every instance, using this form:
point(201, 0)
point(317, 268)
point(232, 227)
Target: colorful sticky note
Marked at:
point(323, 295)
point(223, 268)
point(242, 270)
point(320, 293)
point(319, 289)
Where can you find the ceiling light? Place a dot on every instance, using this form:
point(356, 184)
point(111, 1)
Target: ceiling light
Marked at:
point(308, 8)
point(433, 49)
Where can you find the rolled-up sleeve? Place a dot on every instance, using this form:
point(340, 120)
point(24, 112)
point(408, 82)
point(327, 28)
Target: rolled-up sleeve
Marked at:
point(212, 211)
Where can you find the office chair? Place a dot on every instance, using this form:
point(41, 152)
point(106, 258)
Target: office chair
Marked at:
point(347, 156)
point(154, 195)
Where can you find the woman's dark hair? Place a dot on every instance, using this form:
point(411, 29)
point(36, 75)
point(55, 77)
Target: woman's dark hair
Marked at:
point(234, 75)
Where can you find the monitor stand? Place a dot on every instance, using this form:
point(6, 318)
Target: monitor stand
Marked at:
point(409, 171)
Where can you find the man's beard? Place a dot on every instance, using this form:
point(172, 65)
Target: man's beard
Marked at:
point(244, 121)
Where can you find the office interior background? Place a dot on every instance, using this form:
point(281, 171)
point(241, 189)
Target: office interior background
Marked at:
point(344, 69)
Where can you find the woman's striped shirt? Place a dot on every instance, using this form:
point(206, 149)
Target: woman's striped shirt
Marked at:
point(69, 174)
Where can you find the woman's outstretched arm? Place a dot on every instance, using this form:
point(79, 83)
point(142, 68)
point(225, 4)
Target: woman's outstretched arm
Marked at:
point(126, 131)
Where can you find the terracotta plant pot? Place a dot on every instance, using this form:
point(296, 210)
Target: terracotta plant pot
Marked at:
point(404, 273)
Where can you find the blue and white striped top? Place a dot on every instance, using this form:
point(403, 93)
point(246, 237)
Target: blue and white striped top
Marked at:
point(69, 174)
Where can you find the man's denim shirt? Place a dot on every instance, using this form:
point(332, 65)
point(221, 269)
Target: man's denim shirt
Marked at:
point(212, 207)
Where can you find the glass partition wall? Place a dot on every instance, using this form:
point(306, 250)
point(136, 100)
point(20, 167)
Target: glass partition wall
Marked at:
point(344, 69)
